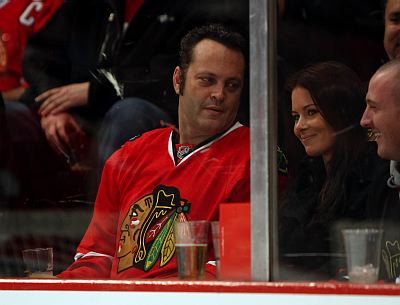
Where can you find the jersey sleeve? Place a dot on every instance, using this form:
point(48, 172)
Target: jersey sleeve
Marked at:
point(97, 248)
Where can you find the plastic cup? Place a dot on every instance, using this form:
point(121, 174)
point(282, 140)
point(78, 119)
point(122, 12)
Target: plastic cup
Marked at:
point(38, 262)
point(363, 248)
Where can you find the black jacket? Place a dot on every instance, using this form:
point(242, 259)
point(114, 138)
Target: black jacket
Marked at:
point(383, 210)
point(65, 50)
point(311, 247)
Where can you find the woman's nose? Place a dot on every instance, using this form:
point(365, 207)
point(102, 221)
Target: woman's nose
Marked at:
point(300, 124)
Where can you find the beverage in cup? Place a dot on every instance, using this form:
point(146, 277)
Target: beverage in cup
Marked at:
point(191, 248)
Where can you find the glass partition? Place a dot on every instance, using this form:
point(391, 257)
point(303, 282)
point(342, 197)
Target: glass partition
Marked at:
point(98, 54)
point(322, 81)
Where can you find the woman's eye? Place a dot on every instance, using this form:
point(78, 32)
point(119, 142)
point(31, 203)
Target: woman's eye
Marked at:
point(311, 112)
point(295, 117)
point(394, 19)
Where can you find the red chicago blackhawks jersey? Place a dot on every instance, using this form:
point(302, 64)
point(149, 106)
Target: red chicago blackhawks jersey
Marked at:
point(144, 190)
point(19, 19)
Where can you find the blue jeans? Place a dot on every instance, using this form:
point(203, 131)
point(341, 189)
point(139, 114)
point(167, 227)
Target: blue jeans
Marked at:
point(125, 119)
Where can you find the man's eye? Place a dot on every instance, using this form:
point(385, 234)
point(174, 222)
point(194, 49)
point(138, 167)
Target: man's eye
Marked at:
point(206, 80)
point(233, 86)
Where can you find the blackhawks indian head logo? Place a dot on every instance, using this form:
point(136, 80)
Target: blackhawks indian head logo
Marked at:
point(147, 230)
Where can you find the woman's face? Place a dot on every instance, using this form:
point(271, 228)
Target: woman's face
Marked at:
point(316, 135)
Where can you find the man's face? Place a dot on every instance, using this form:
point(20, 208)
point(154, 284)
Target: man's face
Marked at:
point(211, 94)
point(382, 114)
point(392, 29)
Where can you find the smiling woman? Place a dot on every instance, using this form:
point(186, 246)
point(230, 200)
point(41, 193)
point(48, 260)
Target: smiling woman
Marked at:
point(313, 131)
point(333, 183)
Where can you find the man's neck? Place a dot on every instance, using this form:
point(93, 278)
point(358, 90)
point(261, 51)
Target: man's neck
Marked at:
point(181, 139)
point(189, 136)
point(184, 138)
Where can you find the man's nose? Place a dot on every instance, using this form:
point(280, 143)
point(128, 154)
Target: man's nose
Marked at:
point(218, 93)
point(365, 119)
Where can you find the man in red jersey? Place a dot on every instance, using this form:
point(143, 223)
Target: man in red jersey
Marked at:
point(173, 174)
point(19, 19)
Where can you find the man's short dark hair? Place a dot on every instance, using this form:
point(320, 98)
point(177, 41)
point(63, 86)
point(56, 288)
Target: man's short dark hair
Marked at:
point(392, 66)
point(217, 32)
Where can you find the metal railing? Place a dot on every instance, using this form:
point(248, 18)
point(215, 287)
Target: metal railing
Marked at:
point(263, 125)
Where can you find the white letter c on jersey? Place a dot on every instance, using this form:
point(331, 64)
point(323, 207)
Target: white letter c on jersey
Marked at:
point(24, 18)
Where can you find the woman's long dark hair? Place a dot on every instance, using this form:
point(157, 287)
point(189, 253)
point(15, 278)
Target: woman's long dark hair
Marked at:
point(339, 95)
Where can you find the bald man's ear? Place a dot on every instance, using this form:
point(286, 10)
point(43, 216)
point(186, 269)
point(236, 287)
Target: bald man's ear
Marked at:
point(176, 79)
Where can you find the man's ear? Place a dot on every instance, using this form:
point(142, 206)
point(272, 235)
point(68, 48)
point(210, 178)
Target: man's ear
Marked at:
point(176, 79)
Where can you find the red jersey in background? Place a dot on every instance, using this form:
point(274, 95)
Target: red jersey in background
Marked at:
point(20, 19)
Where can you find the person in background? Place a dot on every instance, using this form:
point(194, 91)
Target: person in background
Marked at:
point(173, 174)
point(19, 20)
point(392, 28)
point(127, 89)
point(81, 40)
point(99, 74)
point(382, 118)
point(331, 185)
